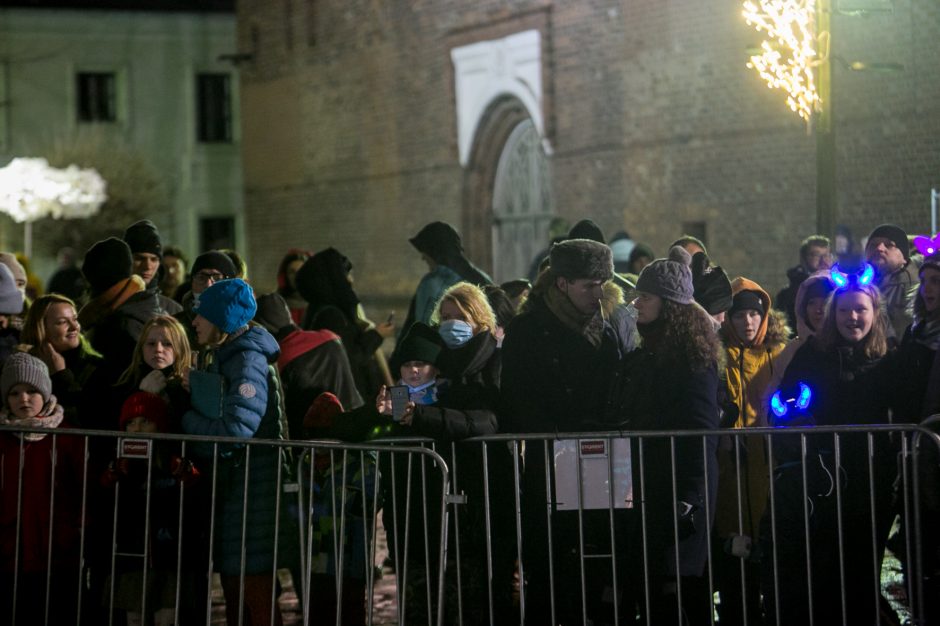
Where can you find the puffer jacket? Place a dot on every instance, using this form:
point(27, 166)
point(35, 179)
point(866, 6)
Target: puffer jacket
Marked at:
point(250, 409)
point(748, 373)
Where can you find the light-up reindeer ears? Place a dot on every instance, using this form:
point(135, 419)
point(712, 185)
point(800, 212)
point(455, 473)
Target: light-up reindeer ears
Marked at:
point(864, 276)
point(927, 245)
point(793, 400)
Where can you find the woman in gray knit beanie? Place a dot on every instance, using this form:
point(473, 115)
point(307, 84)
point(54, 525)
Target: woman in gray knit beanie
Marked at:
point(671, 383)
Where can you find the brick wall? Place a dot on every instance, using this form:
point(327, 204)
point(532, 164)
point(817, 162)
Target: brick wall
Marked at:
point(350, 130)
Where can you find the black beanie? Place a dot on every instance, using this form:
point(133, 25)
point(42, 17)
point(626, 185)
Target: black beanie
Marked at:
point(214, 260)
point(107, 263)
point(587, 229)
point(143, 236)
point(748, 299)
point(420, 343)
point(895, 234)
point(273, 313)
point(711, 285)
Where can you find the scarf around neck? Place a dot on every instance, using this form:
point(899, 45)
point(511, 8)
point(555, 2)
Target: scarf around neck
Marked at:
point(49, 423)
point(590, 326)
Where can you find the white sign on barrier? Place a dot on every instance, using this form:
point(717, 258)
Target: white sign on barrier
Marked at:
point(601, 461)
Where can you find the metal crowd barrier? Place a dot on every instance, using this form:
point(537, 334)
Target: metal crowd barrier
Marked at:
point(564, 528)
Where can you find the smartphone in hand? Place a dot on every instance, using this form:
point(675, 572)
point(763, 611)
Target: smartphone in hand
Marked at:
point(400, 399)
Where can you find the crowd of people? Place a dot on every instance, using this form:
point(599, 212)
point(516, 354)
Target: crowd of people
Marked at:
point(602, 337)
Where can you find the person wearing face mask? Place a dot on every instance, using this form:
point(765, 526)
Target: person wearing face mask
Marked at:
point(839, 365)
point(467, 398)
point(753, 333)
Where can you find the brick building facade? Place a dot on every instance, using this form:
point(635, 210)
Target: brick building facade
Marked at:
point(650, 120)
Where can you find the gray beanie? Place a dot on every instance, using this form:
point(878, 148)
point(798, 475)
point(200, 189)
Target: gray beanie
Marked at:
point(11, 298)
point(582, 258)
point(23, 368)
point(670, 278)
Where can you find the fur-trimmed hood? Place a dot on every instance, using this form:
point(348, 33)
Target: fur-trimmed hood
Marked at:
point(773, 331)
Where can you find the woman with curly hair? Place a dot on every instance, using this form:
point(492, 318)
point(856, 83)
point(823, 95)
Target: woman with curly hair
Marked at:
point(671, 383)
point(839, 367)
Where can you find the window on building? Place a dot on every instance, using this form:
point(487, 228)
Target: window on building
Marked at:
point(214, 108)
point(97, 97)
point(216, 232)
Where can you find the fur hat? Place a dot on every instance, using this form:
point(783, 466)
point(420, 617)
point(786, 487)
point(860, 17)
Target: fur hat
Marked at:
point(107, 263)
point(229, 304)
point(670, 278)
point(143, 236)
point(421, 343)
point(16, 268)
point(273, 313)
point(895, 234)
point(146, 404)
point(24, 368)
point(214, 260)
point(711, 285)
point(582, 258)
point(11, 298)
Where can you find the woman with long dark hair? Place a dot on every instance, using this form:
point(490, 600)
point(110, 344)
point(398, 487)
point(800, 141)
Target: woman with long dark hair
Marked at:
point(671, 383)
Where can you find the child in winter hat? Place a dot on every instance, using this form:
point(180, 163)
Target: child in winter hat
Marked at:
point(27, 390)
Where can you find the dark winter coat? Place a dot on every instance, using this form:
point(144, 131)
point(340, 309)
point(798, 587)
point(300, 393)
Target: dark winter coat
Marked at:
point(251, 409)
point(312, 362)
point(80, 387)
point(115, 335)
point(553, 379)
point(654, 396)
point(846, 389)
point(466, 407)
point(360, 342)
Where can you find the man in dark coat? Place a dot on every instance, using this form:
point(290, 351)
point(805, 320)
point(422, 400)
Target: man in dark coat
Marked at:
point(311, 362)
point(815, 255)
point(559, 357)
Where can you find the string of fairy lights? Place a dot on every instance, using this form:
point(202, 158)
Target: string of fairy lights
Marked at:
point(789, 51)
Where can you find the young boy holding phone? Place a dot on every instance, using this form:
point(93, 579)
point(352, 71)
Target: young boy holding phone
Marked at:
point(418, 383)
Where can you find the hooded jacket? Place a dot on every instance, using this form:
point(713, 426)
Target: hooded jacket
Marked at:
point(748, 372)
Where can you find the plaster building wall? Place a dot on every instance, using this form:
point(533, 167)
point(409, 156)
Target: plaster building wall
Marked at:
point(651, 122)
point(156, 56)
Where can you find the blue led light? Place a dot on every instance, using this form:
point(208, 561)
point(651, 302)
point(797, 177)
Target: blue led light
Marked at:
point(838, 279)
point(868, 274)
point(778, 406)
point(805, 395)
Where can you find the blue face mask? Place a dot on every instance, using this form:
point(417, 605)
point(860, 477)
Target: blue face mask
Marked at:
point(455, 333)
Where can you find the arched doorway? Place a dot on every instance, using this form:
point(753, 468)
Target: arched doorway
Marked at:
point(507, 192)
point(522, 203)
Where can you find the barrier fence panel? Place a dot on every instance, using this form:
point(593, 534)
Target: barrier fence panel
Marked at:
point(814, 525)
